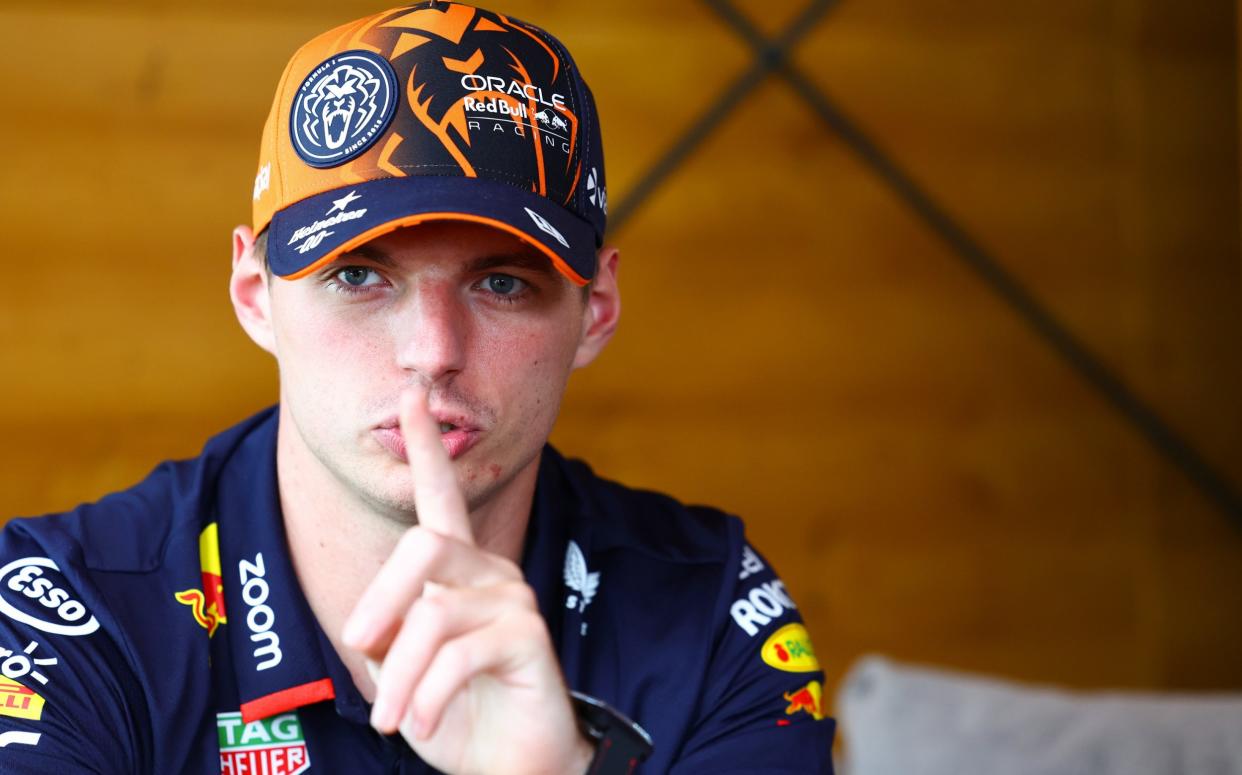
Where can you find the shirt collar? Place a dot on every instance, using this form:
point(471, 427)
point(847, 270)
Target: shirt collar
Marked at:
point(274, 638)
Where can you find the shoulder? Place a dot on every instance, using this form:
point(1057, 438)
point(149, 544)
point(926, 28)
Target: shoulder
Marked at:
point(55, 569)
point(67, 672)
point(125, 531)
point(740, 684)
point(130, 531)
point(699, 555)
point(91, 626)
point(649, 522)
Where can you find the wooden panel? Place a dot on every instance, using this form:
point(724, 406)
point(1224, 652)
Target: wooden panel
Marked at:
point(868, 407)
point(797, 348)
point(1075, 162)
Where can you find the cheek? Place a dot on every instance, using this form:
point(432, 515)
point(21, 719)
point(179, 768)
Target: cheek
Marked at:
point(531, 367)
point(321, 354)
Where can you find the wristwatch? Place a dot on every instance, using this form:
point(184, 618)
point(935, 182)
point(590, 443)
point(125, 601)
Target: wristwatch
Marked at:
point(620, 744)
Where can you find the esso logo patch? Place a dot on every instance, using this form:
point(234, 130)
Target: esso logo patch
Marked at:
point(33, 591)
point(342, 108)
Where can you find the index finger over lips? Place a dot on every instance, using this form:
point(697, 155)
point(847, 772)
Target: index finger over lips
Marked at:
point(437, 497)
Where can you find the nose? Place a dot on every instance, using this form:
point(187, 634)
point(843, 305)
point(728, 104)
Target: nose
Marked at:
point(431, 331)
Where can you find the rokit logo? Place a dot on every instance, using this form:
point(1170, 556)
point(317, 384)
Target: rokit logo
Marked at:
point(760, 606)
point(37, 581)
point(260, 618)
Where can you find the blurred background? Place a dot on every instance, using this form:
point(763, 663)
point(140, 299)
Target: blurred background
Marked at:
point(941, 297)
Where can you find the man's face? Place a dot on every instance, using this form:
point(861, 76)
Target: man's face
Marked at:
point(481, 319)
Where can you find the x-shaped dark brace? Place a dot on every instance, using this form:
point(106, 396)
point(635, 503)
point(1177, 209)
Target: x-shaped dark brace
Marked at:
point(774, 56)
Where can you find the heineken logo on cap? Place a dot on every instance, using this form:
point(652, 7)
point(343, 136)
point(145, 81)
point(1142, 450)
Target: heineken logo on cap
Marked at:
point(271, 746)
point(342, 107)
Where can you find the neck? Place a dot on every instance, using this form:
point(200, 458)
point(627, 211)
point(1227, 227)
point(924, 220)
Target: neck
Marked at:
point(338, 541)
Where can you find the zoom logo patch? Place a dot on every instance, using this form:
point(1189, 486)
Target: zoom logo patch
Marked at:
point(260, 618)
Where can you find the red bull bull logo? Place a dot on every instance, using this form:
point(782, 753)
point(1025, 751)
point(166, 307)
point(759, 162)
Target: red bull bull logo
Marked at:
point(808, 699)
point(207, 604)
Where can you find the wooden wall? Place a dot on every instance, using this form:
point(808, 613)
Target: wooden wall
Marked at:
point(797, 347)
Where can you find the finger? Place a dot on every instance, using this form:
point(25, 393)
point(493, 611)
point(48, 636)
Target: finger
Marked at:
point(437, 497)
point(431, 622)
point(504, 646)
point(421, 556)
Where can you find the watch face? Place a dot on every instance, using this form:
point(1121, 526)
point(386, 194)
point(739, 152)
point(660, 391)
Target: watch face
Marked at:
point(628, 743)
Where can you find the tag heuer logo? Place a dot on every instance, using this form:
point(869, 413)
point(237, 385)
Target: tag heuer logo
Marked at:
point(271, 746)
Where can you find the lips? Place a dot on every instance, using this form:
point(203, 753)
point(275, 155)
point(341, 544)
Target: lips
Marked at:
point(456, 434)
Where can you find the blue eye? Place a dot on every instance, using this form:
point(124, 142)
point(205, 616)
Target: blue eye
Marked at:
point(503, 284)
point(355, 281)
point(355, 275)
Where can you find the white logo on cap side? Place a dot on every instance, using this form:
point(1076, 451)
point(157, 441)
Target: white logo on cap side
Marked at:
point(546, 227)
point(596, 193)
point(263, 180)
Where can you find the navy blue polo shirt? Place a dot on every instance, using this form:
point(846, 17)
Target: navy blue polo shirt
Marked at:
point(162, 630)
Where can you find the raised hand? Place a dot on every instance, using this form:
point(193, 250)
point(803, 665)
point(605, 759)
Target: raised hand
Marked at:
point(461, 658)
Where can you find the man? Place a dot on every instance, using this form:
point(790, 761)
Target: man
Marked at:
point(391, 571)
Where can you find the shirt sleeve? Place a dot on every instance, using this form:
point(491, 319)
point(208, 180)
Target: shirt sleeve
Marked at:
point(63, 703)
point(762, 709)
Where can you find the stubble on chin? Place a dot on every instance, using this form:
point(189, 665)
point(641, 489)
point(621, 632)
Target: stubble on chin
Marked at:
point(386, 488)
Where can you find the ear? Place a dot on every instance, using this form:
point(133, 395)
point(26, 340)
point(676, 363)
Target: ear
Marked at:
point(249, 291)
point(603, 308)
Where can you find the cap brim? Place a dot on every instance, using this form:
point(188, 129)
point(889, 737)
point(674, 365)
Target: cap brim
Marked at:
point(311, 233)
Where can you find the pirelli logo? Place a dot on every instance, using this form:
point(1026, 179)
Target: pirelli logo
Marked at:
point(19, 702)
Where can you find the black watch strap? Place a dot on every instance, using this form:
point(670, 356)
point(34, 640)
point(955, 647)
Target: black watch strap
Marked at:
point(620, 744)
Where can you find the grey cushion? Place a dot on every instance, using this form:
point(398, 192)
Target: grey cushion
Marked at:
point(905, 720)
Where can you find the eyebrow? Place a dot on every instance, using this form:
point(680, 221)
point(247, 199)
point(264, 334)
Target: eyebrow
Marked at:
point(370, 253)
point(528, 260)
